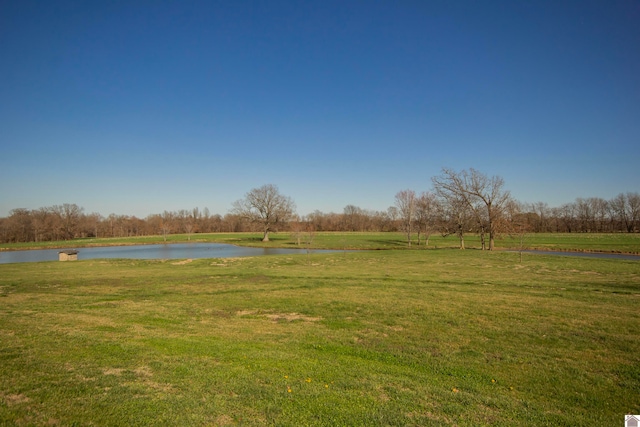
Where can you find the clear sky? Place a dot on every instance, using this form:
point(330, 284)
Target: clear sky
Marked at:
point(136, 107)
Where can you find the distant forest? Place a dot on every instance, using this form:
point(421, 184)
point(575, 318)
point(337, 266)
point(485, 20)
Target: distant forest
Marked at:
point(584, 215)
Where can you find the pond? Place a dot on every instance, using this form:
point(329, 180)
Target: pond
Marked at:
point(209, 250)
point(170, 251)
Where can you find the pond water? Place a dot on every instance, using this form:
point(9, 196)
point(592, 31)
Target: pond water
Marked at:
point(208, 250)
point(171, 251)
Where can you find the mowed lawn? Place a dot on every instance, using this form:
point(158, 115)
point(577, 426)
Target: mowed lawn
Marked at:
point(438, 337)
point(582, 242)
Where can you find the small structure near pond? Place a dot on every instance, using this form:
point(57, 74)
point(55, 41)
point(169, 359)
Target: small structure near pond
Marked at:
point(68, 255)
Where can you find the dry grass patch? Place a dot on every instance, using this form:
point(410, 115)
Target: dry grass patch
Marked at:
point(276, 317)
point(14, 399)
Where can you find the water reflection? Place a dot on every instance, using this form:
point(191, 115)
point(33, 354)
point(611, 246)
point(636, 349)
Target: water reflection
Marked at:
point(171, 251)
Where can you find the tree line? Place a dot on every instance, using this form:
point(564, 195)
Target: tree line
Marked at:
point(458, 203)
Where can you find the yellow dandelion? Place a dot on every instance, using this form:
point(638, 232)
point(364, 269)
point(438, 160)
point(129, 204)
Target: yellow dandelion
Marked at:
point(286, 376)
point(493, 381)
point(455, 390)
point(326, 386)
point(288, 389)
point(308, 380)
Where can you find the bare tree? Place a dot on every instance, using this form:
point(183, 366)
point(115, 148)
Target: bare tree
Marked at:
point(426, 208)
point(541, 212)
point(187, 220)
point(566, 215)
point(166, 223)
point(392, 215)
point(406, 203)
point(351, 215)
point(19, 225)
point(91, 223)
point(633, 203)
point(265, 206)
point(454, 216)
point(626, 208)
point(42, 227)
point(477, 190)
point(517, 222)
point(68, 218)
point(297, 226)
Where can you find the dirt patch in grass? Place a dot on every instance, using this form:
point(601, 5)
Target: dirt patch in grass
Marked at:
point(113, 371)
point(276, 317)
point(224, 420)
point(14, 399)
point(143, 371)
point(290, 317)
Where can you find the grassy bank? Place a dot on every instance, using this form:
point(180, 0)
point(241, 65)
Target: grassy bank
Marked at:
point(587, 242)
point(373, 338)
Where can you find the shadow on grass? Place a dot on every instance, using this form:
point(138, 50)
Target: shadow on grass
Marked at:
point(393, 243)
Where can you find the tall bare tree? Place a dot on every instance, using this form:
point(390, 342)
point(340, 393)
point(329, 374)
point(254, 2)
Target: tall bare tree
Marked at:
point(20, 225)
point(426, 209)
point(477, 190)
point(353, 218)
point(406, 203)
point(626, 208)
point(68, 218)
point(265, 206)
point(454, 215)
point(166, 223)
point(542, 213)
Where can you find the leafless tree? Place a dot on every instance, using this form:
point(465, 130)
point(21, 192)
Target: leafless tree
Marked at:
point(406, 203)
point(392, 218)
point(542, 214)
point(68, 218)
point(518, 225)
point(19, 225)
point(166, 223)
point(350, 214)
point(187, 220)
point(265, 206)
point(454, 216)
point(478, 191)
point(91, 224)
point(297, 226)
point(426, 209)
point(626, 208)
point(42, 226)
point(566, 215)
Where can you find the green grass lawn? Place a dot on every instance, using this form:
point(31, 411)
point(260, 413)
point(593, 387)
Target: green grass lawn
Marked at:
point(439, 337)
point(592, 242)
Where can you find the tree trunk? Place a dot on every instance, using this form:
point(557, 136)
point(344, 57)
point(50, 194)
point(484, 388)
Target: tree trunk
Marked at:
point(266, 236)
point(492, 239)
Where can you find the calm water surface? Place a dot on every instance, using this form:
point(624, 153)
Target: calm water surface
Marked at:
point(206, 250)
point(172, 251)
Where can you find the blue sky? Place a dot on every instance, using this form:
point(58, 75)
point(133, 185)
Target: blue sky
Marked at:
point(136, 107)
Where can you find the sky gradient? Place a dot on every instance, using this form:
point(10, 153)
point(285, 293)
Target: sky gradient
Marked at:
point(136, 107)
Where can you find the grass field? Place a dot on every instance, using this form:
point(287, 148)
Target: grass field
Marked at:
point(589, 242)
point(439, 337)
